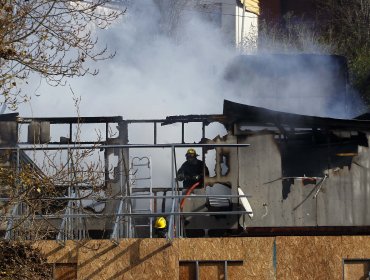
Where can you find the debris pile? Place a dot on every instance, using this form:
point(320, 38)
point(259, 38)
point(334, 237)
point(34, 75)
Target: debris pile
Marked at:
point(19, 260)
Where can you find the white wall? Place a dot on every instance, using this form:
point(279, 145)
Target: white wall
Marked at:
point(246, 37)
point(232, 24)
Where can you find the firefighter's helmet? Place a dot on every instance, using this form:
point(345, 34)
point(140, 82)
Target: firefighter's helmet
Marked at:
point(160, 222)
point(191, 152)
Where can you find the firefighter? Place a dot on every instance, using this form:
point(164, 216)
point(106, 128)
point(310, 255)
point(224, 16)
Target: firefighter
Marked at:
point(191, 171)
point(160, 228)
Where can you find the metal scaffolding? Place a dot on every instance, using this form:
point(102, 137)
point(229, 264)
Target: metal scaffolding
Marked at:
point(119, 219)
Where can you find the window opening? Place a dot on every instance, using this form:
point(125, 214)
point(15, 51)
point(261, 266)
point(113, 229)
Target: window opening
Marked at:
point(224, 165)
point(356, 269)
point(203, 269)
point(210, 160)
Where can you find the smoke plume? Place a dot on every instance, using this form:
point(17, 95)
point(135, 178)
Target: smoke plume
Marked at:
point(173, 62)
point(176, 63)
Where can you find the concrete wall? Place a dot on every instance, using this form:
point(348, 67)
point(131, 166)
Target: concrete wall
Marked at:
point(293, 257)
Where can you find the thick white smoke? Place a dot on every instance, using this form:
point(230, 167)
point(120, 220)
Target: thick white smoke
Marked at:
point(151, 76)
point(154, 75)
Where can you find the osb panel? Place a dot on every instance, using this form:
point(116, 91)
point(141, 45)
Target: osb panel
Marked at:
point(187, 271)
point(236, 271)
point(311, 257)
point(291, 257)
point(65, 271)
point(356, 247)
point(210, 249)
point(130, 259)
point(56, 253)
point(211, 271)
point(258, 258)
point(255, 252)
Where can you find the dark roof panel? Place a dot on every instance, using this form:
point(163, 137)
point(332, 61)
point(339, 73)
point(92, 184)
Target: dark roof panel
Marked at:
point(258, 115)
point(9, 117)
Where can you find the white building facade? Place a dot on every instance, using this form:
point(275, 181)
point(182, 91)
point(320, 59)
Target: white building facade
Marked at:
point(237, 19)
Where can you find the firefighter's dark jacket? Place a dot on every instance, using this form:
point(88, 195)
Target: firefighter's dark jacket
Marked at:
point(189, 170)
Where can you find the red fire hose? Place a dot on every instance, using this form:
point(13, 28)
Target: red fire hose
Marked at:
point(188, 193)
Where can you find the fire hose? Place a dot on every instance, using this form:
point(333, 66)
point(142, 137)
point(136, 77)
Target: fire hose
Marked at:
point(188, 193)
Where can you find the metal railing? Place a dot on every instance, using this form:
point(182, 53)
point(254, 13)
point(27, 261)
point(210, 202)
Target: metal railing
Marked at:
point(121, 199)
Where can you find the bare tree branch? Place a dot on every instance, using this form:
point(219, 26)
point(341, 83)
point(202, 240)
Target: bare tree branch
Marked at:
point(55, 39)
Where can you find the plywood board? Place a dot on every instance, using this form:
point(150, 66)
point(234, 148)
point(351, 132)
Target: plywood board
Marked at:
point(65, 271)
point(57, 253)
point(211, 271)
point(285, 257)
point(258, 258)
point(235, 271)
point(186, 271)
point(210, 249)
point(130, 259)
point(356, 270)
point(309, 257)
point(356, 247)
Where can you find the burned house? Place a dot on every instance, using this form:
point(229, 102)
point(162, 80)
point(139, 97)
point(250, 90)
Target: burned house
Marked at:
point(304, 174)
point(299, 174)
point(286, 196)
point(303, 177)
point(304, 171)
point(270, 171)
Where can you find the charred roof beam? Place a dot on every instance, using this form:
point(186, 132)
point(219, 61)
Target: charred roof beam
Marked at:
point(236, 112)
point(206, 119)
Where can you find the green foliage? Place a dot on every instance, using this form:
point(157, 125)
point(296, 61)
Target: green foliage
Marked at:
point(292, 34)
point(360, 69)
point(340, 27)
point(346, 26)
